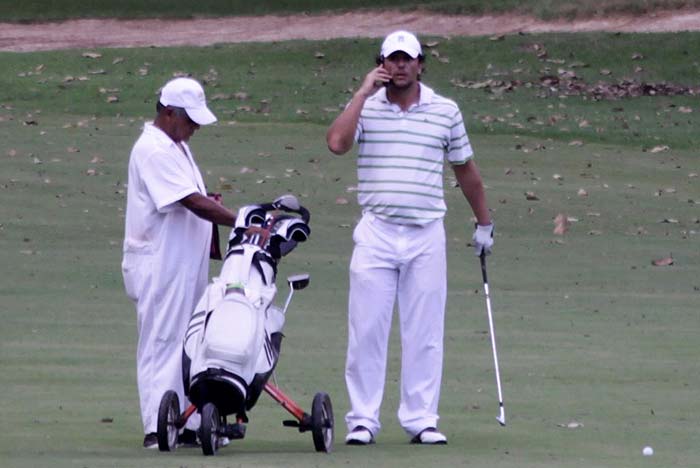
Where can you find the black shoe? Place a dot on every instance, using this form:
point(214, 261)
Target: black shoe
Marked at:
point(150, 441)
point(188, 438)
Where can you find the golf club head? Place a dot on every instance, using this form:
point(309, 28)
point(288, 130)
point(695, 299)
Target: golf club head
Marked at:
point(501, 418)
point(287, 202)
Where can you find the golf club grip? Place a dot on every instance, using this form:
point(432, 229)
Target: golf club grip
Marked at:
point(482, 258)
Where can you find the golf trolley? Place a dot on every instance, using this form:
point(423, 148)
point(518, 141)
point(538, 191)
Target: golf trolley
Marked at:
point(234, 336)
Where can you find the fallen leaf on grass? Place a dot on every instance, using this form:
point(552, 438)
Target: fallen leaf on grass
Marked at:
point(669, 221)
point(319, 55)
point(561, 224)
point(341, 201)
point(107, 420)
point(91, 55)
point(663, 261)
point(531, 196)
point(571, 425)
point(582, 193)
point(72, 149)
point(659, 149)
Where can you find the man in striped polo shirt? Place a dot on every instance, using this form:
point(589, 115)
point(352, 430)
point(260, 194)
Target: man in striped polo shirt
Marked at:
point(404, 131)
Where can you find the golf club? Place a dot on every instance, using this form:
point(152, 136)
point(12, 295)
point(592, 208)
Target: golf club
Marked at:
point(501, 418)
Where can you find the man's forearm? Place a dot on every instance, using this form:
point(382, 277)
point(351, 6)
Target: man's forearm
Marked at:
point(208, 209)
point(472, 187)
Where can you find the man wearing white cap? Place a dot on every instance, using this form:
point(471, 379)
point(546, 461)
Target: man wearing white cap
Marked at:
point(404, 131)
point(167, 238)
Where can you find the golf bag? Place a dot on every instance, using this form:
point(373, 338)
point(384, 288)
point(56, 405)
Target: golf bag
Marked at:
point(233, 339)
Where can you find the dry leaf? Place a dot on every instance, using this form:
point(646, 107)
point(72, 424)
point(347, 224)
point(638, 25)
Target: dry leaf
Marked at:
point(561, 224)
point(431, 44)
point(117, 60)
point(112, 99)
point(582, 193)
point(685, 110)
point(341, 201)
point(669, 221)
point(289, 147)
point(319, 55)
point(659, 149)
point(246, 170)
point(576, 143)
point(92, 55)
point(571, 425)
point(531, 196)
point(557, 177)
point(663, 261)
point(72, 149)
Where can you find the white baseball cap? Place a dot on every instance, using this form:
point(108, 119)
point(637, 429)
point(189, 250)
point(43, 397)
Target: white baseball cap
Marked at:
point(189, 95)
point(403, 41)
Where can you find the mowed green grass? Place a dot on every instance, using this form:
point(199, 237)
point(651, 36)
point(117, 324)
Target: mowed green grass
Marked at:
point(590, 333)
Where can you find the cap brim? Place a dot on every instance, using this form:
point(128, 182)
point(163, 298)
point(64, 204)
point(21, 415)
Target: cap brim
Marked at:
point(201, 115)
point(411, 53)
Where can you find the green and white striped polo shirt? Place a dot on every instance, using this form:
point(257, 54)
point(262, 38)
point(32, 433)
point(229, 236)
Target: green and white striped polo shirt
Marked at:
point(401, 156)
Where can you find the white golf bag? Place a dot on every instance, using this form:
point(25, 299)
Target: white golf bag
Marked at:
point(233, 338)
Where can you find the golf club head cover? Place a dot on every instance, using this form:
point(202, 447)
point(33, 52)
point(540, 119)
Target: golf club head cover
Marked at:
point(483, 239)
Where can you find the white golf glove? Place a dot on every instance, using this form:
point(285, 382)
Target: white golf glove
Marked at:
point(483, 239)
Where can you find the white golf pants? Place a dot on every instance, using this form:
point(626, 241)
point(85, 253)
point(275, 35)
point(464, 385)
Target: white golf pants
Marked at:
point(163, 310)
point(408, 262)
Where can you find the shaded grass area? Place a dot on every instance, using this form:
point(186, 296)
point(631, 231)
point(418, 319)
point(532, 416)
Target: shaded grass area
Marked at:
point(38, 10)
point(589, 332)
point(502, 86)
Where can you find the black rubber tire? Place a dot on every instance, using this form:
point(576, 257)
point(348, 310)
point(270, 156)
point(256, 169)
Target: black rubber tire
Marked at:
point(210, 429)
point(322, 422)
point(168, 412)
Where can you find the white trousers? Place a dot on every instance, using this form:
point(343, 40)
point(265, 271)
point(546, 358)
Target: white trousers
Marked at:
point(164, 304)
point(407, 262)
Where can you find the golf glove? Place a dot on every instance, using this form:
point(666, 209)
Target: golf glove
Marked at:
point(483, 239)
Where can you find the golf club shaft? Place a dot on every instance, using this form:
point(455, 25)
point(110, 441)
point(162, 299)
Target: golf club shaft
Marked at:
point(492, 333)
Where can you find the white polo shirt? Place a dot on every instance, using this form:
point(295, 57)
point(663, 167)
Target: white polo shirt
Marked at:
point(166, 246)
point(401, 156)
point(160, 175)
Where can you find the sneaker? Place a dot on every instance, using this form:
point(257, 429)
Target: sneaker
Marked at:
point(360, 435)
point(224, 441)
point(430, 436)
point(188, 438)
point(150, 441)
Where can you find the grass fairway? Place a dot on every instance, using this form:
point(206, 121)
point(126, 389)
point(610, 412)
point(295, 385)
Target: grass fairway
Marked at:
point(590, 333)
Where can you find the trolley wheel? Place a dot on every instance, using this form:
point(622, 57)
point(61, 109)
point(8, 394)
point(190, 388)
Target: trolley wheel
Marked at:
point(210, 429)
point(168, 412)
point(322, 422)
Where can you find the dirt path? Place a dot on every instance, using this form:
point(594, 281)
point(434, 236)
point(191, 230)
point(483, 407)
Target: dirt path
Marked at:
point(201, 32)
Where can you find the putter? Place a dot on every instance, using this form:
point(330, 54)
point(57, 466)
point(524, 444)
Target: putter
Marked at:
point(501, 418)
